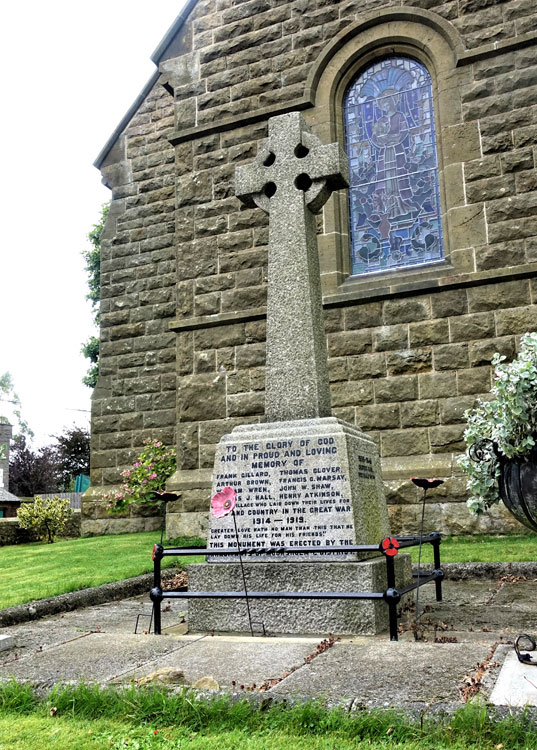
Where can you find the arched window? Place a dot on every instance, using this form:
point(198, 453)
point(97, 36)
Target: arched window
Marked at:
point(390, 139)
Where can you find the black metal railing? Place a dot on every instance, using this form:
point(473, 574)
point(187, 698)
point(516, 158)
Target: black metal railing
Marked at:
point(391, 595)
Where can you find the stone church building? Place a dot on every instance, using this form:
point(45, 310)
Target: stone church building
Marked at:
point(428, 261)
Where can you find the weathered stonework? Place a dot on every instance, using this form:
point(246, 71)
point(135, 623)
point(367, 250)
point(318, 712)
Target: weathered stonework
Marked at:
point(185, 265)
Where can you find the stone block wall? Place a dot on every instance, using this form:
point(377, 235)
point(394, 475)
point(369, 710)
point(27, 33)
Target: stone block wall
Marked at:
point(184, 279)
point(135, 396)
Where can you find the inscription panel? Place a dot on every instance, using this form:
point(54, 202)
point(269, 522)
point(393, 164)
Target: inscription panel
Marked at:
point(290, 493)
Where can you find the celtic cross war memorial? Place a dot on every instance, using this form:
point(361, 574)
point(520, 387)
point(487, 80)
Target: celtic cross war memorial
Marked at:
point(302, 477)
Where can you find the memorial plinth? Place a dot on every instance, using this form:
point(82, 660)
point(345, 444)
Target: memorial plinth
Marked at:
point(302, 478)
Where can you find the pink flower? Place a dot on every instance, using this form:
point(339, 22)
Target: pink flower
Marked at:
point(152, 476)
point(223, 502)
point(158, 444)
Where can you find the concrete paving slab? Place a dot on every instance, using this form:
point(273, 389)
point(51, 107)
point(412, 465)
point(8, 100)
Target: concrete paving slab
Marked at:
point(457, 593)
point(524, 593)
point(119, 616)
point(516, 685)
point(370, 669)
point(243, 660)
point(387, 673)
point(7, 642)
point(96, 657)
point(113, 617)
point(458, 636)
point(503, 617)
point(28, 641)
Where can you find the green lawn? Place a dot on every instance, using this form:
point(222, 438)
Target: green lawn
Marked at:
point(511, 548)
point(36, 571)
point(81, 716)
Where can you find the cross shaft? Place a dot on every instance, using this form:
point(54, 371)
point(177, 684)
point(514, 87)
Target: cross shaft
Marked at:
point(291, 179)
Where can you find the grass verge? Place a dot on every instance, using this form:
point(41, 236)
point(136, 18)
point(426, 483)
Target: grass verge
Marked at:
point(482, 548)
point(36, 571)
point(85, 716)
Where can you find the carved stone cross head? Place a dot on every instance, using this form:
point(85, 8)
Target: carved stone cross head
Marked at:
point(291, 179)
point(292, 164)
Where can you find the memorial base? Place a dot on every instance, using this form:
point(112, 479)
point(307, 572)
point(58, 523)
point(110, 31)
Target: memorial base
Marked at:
point(291, 616)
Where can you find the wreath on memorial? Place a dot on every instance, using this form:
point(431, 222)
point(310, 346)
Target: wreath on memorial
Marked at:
point(503, 426)
point(145, 482)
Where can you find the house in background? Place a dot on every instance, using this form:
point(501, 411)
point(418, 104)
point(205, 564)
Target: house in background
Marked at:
point(8, 502)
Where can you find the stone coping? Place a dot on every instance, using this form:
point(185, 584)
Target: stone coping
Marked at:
point(78, 599)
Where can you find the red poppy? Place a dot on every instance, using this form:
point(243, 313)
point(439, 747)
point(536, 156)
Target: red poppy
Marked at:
point(390, 546)
point(223, 502)
point(425, 483)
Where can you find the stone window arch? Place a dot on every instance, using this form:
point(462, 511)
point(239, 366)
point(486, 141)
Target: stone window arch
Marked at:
point(434, 45)
point(394, 199)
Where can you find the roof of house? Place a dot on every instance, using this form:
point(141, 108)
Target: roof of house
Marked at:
point(7, 497)
point(156, 57)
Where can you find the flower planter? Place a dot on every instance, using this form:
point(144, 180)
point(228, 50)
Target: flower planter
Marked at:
point(518, 487)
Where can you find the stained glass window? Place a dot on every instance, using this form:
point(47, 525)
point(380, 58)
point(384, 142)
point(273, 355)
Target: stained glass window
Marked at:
point(394, 198)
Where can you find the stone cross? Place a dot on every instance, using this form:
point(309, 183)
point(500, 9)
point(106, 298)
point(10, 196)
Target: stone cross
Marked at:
point(291, 179)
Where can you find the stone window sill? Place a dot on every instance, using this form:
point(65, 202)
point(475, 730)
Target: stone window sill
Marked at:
point(355, 291)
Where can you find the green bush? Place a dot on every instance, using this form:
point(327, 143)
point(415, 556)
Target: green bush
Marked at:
point(48, 517)
point(508, 421)
point(148, 475)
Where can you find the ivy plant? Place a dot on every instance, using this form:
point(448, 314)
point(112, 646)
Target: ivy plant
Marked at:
point(92, 257)
point(508, 419)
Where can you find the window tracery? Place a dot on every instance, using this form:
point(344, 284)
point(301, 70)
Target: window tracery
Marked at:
point(394, 192)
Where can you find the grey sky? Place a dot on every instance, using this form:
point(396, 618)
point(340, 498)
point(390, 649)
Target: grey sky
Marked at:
point(71, 71)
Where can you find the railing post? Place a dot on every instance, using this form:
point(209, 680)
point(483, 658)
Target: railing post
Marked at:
point(436, 552)
point(392, 597)
point(156, 592)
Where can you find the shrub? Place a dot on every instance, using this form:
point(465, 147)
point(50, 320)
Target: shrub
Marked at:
point(507, 423)
point(148, 475)
point(47, 516)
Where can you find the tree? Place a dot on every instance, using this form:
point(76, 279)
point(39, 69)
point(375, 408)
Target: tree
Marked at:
point(51, 468)
point(47, 516)
point(10, 404)
point(31, 471)
point(90, 349)
point(72, 451)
